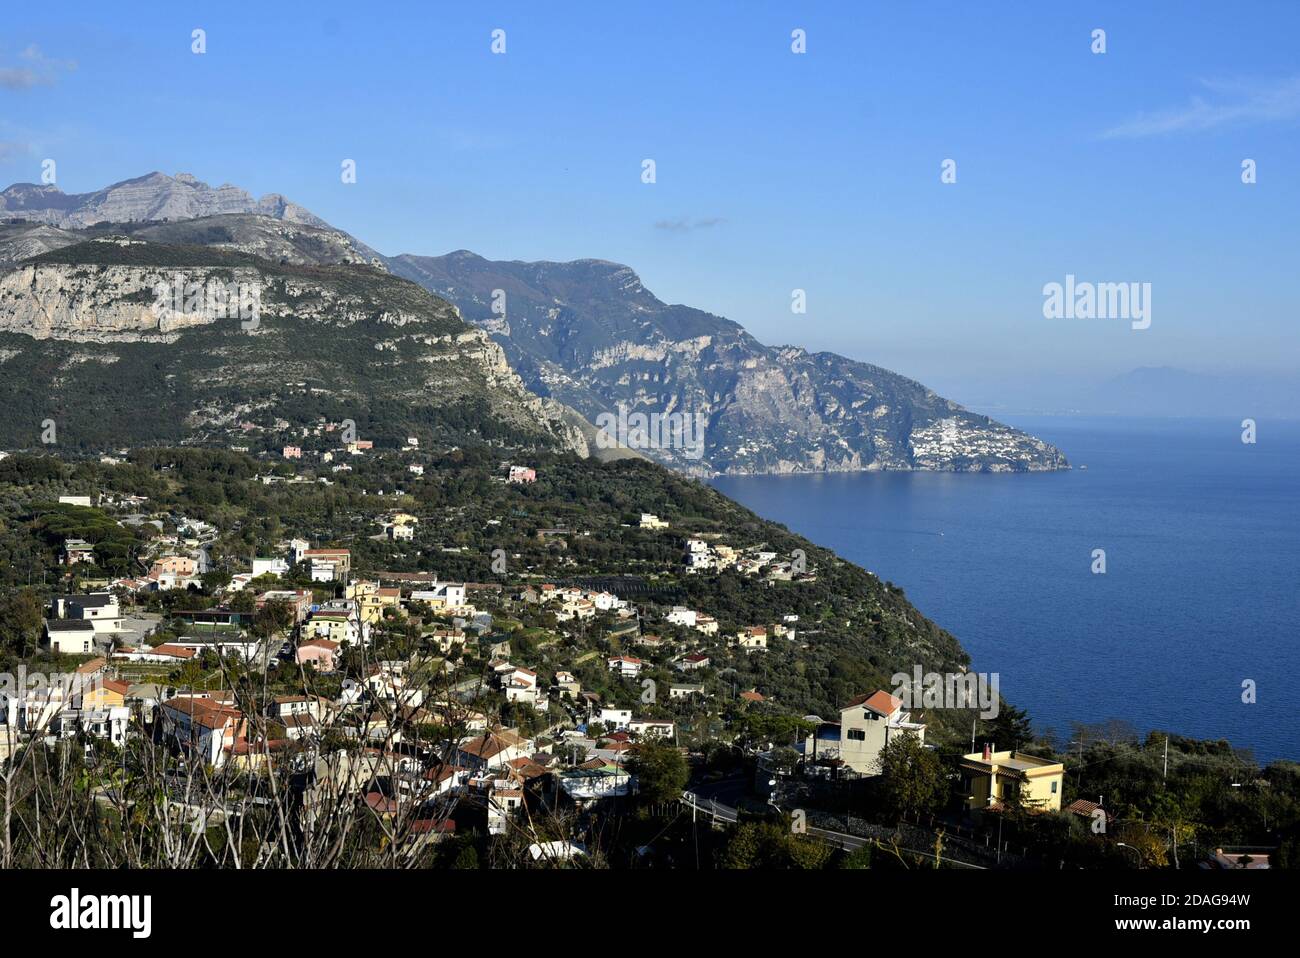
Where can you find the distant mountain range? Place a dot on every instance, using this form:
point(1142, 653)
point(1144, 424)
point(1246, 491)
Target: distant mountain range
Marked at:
point(156, 196)
point(591, 335)
point(586, 334)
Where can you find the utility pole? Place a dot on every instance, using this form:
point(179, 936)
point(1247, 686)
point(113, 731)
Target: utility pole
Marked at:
point(1165, 777)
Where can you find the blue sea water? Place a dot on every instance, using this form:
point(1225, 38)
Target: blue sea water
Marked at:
point(1202, 540)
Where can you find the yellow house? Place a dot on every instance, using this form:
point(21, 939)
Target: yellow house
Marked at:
point(989, 778)
point(372, 600)
point(106, 694)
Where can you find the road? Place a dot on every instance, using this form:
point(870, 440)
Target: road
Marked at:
point(718, 811)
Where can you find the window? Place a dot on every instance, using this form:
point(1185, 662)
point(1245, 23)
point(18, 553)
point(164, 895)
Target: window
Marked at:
point(857, 735)
point(1054, 784)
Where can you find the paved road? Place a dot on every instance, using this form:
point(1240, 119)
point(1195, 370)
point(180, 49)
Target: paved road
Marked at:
point(719, 811)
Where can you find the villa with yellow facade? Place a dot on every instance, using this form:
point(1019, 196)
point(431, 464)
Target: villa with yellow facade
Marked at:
point(989, 779)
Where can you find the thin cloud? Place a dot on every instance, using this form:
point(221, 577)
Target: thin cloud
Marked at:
point(1226, 102)
point(684, 224)
point(36, 70)
point(10, 150)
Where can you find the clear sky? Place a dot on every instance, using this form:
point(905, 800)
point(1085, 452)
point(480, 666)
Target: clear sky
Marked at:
point(775, 170)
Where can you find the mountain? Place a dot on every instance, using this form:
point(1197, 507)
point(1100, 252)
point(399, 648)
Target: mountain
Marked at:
point(279, 241)
point(155, 196)
point(591, 335)
point(151, 198)
point(88, 342)
point(586, 334)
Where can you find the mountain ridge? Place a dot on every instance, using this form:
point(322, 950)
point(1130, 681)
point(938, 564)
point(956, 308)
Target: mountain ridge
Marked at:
point(589, 335)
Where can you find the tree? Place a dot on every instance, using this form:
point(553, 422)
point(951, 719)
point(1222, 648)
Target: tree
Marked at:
point(768, 845)
point(911, 776)
point(242, 601)
point(20, 622)
point(1011, 728)
point(660, 771)
point(274, 617)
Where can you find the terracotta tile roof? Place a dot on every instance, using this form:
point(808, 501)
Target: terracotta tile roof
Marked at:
point(421, 826)
point(175, 651)
point(1084, 808)
point(245, 747)
point(327, 644)
point(492, 743)
point(381, 803)
point(880, 702)
point(203, 712)
point(440, 773)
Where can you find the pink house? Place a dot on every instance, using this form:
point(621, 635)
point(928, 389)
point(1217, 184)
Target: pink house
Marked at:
point(293, 452)
point(174, 565)
point(522, 474)
point(319, 653)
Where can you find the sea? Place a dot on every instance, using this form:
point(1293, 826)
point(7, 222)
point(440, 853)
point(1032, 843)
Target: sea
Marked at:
point(1193, 627)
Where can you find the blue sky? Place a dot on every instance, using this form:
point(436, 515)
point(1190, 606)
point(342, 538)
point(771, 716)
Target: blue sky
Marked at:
point(775, 171)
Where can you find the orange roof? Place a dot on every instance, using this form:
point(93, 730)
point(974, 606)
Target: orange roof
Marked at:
point(492, 743)
point(880, 702)
point(419, 826)
point(319, 644)
point(204, 712)
point(176, 651)
point(752, 696)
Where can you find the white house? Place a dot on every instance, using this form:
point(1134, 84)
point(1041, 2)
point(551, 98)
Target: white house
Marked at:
point(867, 724)
point(616, 719)
point(627, 666)
point(605, 601)
point(202, 726)
point(70, 636)
point(98, 608)
point(443, 595)
point(680, 615)
point(651, 728)
point(275, 567)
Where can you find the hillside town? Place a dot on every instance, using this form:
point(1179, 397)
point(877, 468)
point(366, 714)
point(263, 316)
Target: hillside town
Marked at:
point(522, 706)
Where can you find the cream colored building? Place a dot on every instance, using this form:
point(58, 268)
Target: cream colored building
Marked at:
point(867, 725)
point(990, 778)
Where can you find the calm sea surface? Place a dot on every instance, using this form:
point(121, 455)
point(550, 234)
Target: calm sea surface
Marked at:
point(1202, 583)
